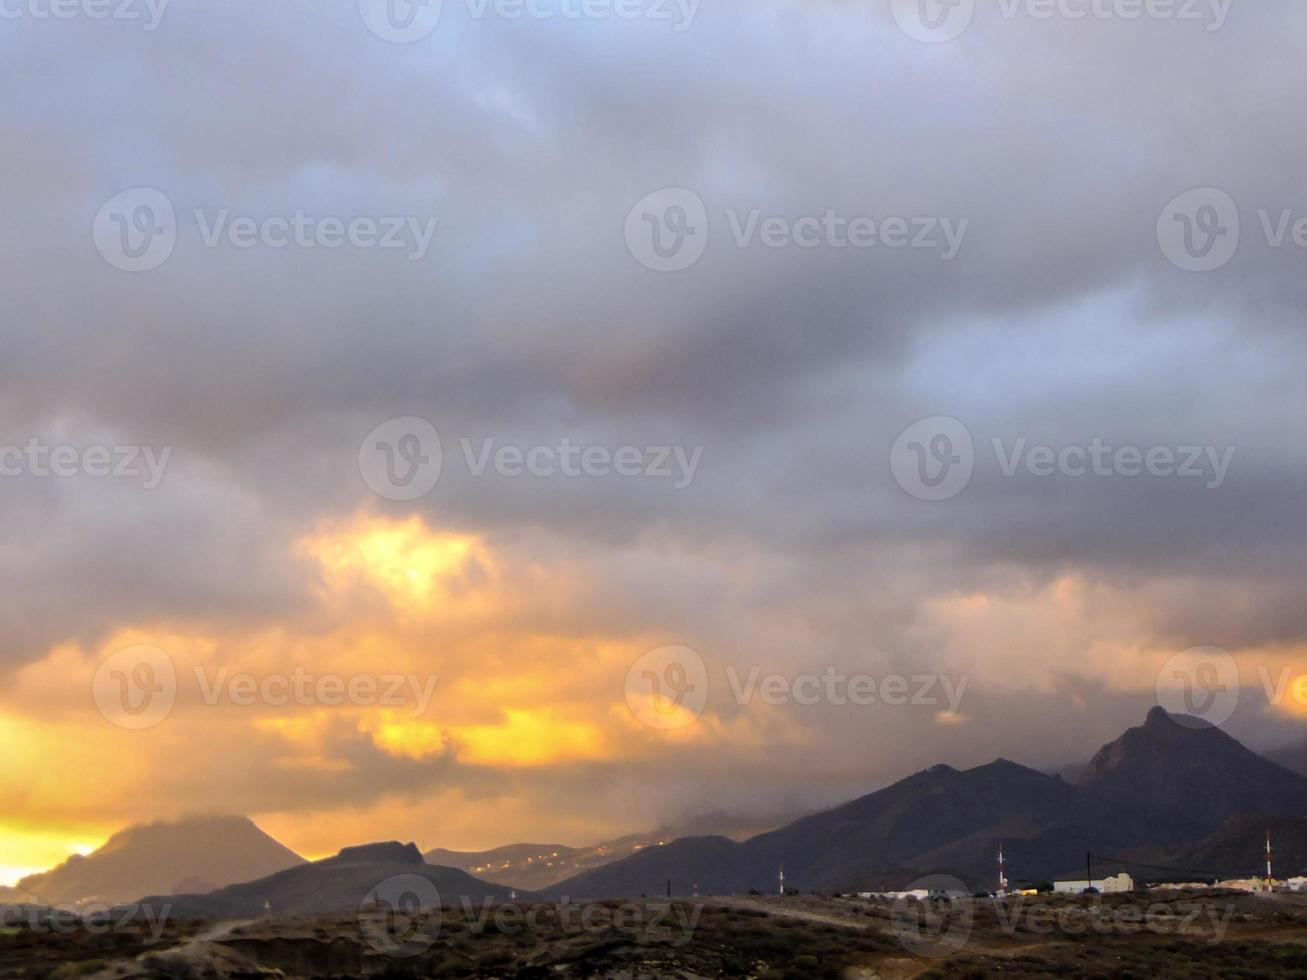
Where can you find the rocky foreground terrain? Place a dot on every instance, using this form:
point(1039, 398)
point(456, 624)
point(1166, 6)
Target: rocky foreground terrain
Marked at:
point(1162, 934)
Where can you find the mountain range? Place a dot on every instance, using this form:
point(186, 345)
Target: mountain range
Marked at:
point(1173, 793)
point(1169, 781)
point(333, 885)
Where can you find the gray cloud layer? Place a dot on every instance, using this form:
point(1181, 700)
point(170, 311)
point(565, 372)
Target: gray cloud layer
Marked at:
point(1060, 320)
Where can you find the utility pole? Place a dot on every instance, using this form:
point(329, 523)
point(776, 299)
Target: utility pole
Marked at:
point(1002, 878)
point(782, 881)
point(1269, 878)
point(1089, 874)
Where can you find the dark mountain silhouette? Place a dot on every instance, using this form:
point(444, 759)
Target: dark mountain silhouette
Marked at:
point(334, 885)
point(1192, 775)
point(196, 853)
point(1237, 850)
point(1158, 785)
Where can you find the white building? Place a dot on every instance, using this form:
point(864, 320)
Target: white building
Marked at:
point(1108, 886)
point(920, 894)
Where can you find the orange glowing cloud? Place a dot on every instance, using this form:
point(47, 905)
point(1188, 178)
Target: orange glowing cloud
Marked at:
point(413, 565)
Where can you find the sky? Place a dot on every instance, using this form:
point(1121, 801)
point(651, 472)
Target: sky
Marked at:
point(552, 421)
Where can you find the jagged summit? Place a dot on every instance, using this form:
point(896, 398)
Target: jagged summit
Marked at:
point(386, 852)
point(1159, 718)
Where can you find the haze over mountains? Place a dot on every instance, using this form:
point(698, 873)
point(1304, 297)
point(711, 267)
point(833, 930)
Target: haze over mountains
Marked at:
point(187, 855)
point(534, 867)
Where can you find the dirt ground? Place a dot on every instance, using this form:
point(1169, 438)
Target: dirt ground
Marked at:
point(1158, 934)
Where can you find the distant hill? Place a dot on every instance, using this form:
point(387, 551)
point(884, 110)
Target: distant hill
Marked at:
point(1163, 783)
point(191, 854)
point(334, 885)
point(1236, 850)
point(527, 866)
point(535, 867)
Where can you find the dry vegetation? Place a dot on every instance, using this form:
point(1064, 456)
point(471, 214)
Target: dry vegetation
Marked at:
point(795, 938)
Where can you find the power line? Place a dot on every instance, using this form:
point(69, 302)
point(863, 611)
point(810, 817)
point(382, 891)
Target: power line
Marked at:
point(1192, 872)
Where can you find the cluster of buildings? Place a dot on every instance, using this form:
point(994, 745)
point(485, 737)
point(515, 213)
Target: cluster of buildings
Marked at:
point(1111, 885)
